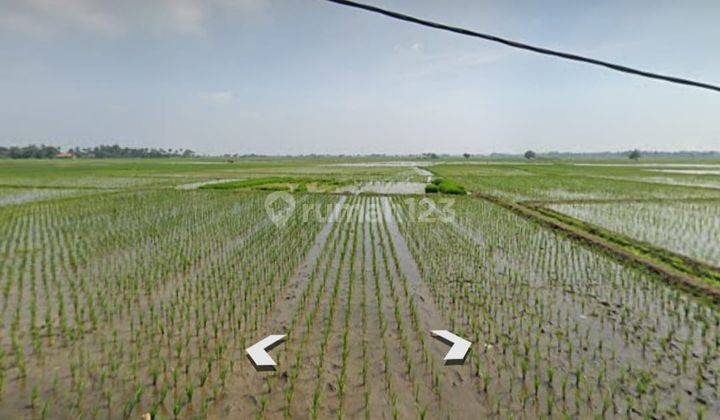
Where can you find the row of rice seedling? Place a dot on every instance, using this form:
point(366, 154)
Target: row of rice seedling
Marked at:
point(354, 326)
point(152, 298)
point(561, 330)
point(406, 310)
point(346, 254)
point(303, 329)
point(364, 284)
point(686, 227)
point(303, 317)
point(522, 182)
point(63, 253)
point(136, 302)
point(352, 276)
point(387, 367)
point(9, 196)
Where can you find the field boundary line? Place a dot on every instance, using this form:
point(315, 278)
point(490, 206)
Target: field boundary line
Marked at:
point(670, 267)
point(678, 261)
point(538, 203)
point(646, 181)
point(55, 187)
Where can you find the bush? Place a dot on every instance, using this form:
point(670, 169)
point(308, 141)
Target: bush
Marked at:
point(275, 187)
point(431, 189)
point(444, 186)
point(449, 187)
point(266, 183)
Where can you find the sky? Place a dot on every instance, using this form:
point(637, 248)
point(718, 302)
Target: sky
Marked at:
point(309, 76)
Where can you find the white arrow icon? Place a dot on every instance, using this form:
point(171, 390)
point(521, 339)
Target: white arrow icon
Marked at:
point(459, 349)
point(258, 355)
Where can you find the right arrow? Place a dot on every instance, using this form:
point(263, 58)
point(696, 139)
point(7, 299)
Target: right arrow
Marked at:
point(459, 349)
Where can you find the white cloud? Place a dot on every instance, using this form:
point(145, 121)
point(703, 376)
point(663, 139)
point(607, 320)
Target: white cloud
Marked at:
point(411, 48)
point(112, 17)
point(217, 98)
point(245, 5)
point(21, 23)
point(425, 64)
point(88, 14)
point(182, 16)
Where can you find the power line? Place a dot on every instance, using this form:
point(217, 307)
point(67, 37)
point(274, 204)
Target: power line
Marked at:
point(520, 45)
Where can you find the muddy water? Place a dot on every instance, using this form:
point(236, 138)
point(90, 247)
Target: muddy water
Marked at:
point(570, 331)
point(384, 188)
point(424, 172)
point(67, 377)
point(243, 392)
point(21, 195)
point(196, 185)
point(354, 346)
point(394, 164)
point(464, 401)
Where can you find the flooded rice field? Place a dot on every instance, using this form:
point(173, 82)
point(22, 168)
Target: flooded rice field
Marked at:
point(119, 305)
point(384, 187)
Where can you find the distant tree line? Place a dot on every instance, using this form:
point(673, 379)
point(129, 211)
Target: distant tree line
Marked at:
point(635, 154)
point(99, 152)
point(29, 152)
point(115, 151)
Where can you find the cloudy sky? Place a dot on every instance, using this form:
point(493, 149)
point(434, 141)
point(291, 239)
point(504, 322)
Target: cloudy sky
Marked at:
point(308, 76)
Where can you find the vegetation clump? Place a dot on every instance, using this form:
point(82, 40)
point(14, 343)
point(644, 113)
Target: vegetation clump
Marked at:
point(297, 184)
point(444, 186)
point(431, 188)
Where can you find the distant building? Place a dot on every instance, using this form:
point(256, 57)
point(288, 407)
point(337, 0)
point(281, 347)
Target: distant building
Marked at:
point(65, 155)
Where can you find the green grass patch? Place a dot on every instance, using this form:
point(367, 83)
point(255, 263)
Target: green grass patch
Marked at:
point(444, 186)
point(298, 184)
point(543, 182)
point(704, 272)
point(246, 183)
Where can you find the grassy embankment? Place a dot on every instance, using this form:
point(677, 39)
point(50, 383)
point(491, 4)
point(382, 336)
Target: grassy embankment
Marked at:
point(701, 279)
point(444, 186)
point(279, 184)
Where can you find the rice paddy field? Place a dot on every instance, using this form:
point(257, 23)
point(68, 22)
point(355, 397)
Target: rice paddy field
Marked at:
point(691, 228)
point(134, 287)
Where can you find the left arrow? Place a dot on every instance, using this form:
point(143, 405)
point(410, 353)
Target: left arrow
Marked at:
point(258, 354)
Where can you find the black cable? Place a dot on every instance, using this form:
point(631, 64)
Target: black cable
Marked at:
point(515, 44)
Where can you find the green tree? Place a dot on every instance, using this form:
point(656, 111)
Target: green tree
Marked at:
point(530, 155)
point(634, 155)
